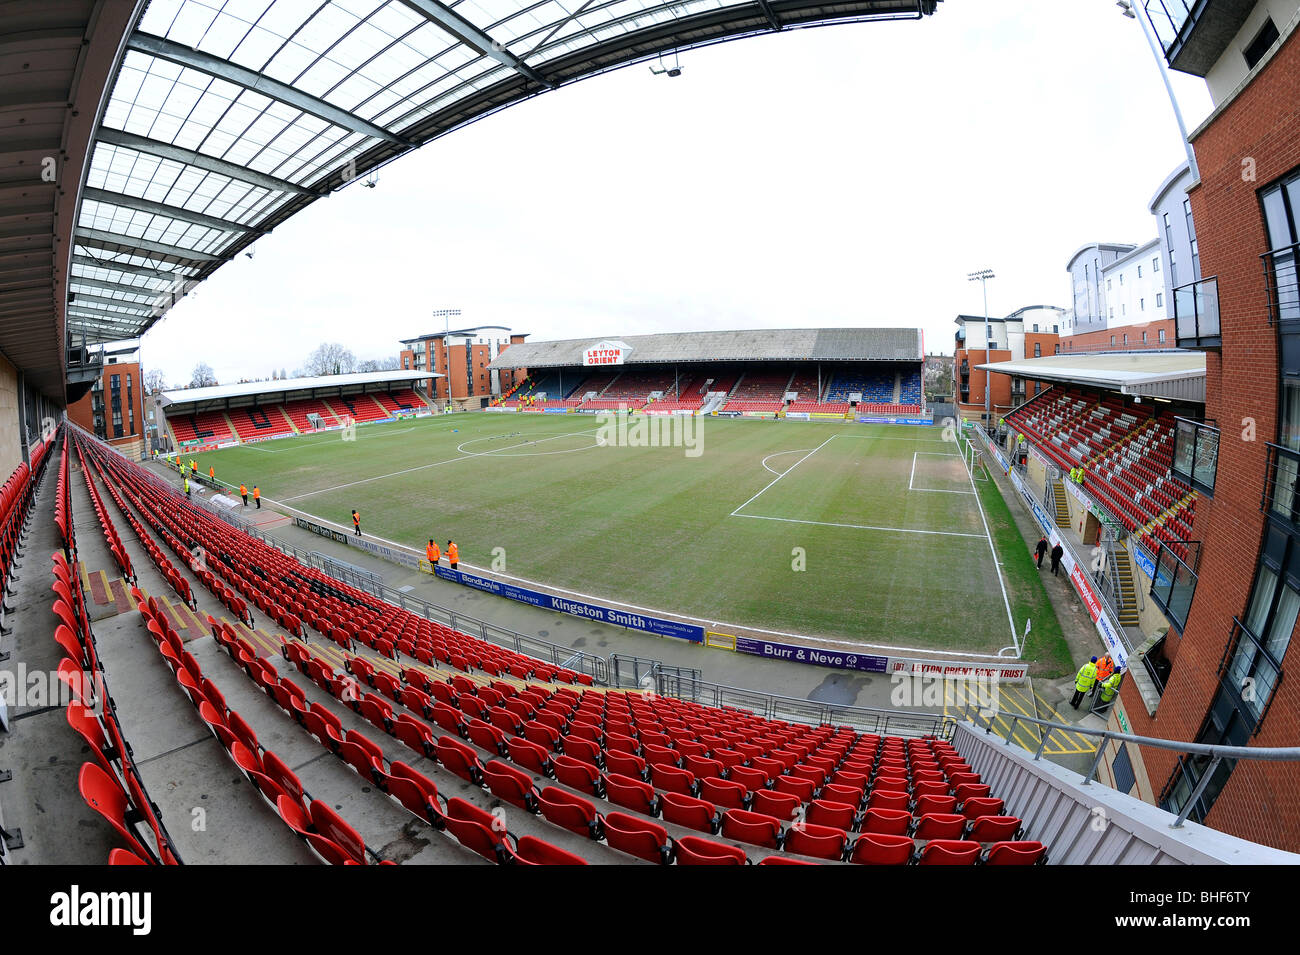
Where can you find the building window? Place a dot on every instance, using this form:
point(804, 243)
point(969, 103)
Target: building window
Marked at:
point(1112, 339)
point(1263, 41)
point(1139, 271)
point(1126, 338)
point(1144, 338)
point(1038, 350)
point(1191, 236)
point(1112, 318)
point(1169, 244)
point(1056, 329)
point(1058, 348)
point(1248, 677)
point(1155, 264)
point(1161, 335)
point(1123, 309)
point(1160, 299)
point(1142, 305)
point(1108, 281)
point(1035, 326)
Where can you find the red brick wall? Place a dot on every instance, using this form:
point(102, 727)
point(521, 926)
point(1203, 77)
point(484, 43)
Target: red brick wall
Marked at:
point(1091, 341)
point(999, 388)
point(1261, 801)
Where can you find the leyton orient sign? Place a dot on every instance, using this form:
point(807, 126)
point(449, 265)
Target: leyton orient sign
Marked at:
point(606, 353)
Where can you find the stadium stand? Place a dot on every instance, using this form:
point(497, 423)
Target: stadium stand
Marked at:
point(357, 407)
point(1126, 452)
point(263, 422)
point(207, 426)
point(652, 778)
point(299, 409)
point(405, 400)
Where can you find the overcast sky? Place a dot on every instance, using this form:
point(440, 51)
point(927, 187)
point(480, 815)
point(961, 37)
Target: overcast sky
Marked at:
point(842, 176)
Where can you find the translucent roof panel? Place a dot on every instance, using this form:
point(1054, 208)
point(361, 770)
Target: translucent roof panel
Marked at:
point(227, 116)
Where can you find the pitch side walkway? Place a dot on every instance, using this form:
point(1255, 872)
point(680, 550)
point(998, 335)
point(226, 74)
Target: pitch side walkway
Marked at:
point(1052, 698)
point(718, 666)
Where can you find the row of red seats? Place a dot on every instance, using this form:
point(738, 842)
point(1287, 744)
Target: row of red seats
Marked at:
point(111, 537)
point(333, 839)
point(283, 588)
point(111, 785)
point(532, 750)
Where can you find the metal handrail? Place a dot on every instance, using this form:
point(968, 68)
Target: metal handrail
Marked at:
point(1217, 752)
point(773, 706)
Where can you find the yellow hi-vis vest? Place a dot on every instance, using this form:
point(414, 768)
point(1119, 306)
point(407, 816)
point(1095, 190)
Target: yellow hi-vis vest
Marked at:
point(1110, 687)
point(1086, 677)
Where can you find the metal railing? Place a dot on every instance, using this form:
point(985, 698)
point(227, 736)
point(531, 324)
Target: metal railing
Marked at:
point(971, 713)
point(771, 706)
point(1196, 314)
point(1174, 583)
point(1282, 283)
point(633, 672)
point(1281, 497)
point(1196, 453)
point(1252, 676)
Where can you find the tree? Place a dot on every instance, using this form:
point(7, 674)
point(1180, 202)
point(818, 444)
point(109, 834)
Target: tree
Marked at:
point(283, 375)
point(331, 358)
point(155, 380)
point(202, 376)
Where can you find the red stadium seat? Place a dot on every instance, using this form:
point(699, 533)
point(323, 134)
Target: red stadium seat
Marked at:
point(948, 852)
point(692, 850)
point(873, 849)
point(639, 837)
point(1016, 853)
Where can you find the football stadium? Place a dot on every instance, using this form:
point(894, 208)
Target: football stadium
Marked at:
point(703, 596)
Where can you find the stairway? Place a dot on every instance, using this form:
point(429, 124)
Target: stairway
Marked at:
point(1123, 564)
point(1062, 505)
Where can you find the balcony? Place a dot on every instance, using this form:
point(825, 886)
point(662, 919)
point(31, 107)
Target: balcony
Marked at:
point(1281, 499)
point(1196, 453)
point(965, 368)
point(1283, 289)
point(1196, 315)
point(1174, 582)
point(1250, 674)
point(1196, 33)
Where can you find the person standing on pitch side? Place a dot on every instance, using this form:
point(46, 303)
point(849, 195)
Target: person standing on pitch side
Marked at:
point(1057, 553)
point(1041, 550)
point(356, 522)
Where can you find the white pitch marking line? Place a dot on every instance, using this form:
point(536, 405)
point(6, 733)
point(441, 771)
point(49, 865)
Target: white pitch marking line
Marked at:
point(931, 490)
point(865, 527)
point(784, 473)
point(422, 467)
point(777, 454)
point(1015, 639)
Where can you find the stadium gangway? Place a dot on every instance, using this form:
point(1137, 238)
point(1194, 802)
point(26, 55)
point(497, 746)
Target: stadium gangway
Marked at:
point(632, 672)
point(866, 719)
point(351, 574)
point(1216, 753)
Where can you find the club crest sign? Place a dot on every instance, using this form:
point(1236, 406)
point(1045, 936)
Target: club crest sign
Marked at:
point(606, 353)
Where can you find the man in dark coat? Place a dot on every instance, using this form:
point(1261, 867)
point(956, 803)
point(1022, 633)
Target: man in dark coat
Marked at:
point(1057, 553)
point(1041, 550)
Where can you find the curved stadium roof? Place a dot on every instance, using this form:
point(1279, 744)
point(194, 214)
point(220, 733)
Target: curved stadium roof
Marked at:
point(224, 117)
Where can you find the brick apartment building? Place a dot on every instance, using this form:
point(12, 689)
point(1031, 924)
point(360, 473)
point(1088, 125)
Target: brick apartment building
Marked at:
point(1031, 332)
point(113, 408)
point(462, 356)
point(1226, 683)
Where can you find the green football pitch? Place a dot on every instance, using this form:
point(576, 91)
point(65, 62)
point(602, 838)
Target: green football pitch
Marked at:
point(871, 533)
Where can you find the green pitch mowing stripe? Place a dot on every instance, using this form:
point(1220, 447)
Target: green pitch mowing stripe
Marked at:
point(654, 525)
